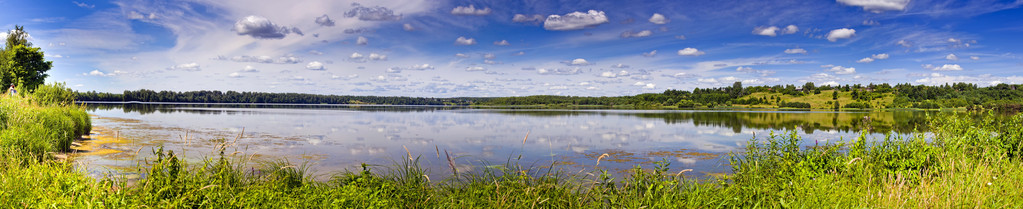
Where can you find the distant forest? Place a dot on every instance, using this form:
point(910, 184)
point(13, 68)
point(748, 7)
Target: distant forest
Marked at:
point(958, 95)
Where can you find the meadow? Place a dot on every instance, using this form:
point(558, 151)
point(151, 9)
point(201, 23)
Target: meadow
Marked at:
point(967, 160)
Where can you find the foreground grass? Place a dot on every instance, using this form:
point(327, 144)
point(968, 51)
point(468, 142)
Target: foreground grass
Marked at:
point(969, 162)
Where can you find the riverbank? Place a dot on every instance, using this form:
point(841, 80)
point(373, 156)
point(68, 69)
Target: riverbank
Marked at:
point(969, 163)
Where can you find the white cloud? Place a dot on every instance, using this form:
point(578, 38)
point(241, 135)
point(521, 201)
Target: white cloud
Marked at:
point(371, 13)
point(476, 68)
point(745, 69)
point(871, 23)
point(421, 67)
point(790, 29)
point(470, 10)
point(235, 75)
point(879, 56)
point(877, 6)
point(841, 70)
point(377, 57)
point(649, 86)
point(866, 60)
point(766, 31)
point(579, 61)
point(650, 54)
point(680, 37)
point(795, 51)
point(314, 65)
point(465, 41)
point(133, 15)
point(460, 55)
point(356, 56)
point(489, 56)
point(408, 27)
point(324, 21)
point(708, 80)
point(260, 27)
point(608, 74)
point(974, 58)
point(361, 41)
point(288, 59)
point(904, 43)
point(97, 73)
point(690, 52)
point(83, 5)
point(527, 18)
point(191, 67)
point(836, 34)
point(952, 57)
point(659, 19)
point(575, 20)
point(630, 34)
point(620, 65)
point(947, 67)
point(249, 69)
point(502, 43)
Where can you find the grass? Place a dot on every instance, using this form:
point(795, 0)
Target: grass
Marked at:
point(971, 161)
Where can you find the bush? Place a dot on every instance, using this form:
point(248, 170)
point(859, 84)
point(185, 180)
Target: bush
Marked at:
point(795, 105)
point(54, 94)
point(686, 104)
point(857, 105)
point(926, 105)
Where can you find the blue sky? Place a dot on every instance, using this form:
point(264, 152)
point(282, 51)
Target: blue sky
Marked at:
point(441, 48)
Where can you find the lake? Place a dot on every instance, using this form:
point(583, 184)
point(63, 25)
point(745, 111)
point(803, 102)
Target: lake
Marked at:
point(333, 138)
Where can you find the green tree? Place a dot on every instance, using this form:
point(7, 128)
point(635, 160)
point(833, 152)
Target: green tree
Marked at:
point(834, 95)
point(20, 63)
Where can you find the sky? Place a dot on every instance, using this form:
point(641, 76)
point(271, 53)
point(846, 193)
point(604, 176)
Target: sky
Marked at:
point(442, 48)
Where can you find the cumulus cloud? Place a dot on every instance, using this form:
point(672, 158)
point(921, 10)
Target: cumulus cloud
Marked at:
point(361, 40)
point(377, 57)
point(766, 31)
point(249, 69)
point(650, 54)
point(357, 30)
point(877, 6)
point(191, 67)
point(489, 56)
point(690, 52)
point(840, 70)
point(288, 59)
point(836, 34)
point(502, 43)
point(408, 27)
point(579, 61)
point(879, 56)
point(470, 10)
point(371, 13)
point(659, 19)
point(575, 20)
point(974, 58)
point(97, 73)
point(790, 29)
point(630, 34)
point(795, 51)
point(952, 57)
point(620, 65)
point(475, 68)
point(260, 27)
point(324, 21)
point(945, 67)
point(536, 18)
point(314, 65)
point(460, 55)
point(139, 16)
point(865, 60)
point(558, 71)
point(465, 41)
point(235, 75)
point(356, 55)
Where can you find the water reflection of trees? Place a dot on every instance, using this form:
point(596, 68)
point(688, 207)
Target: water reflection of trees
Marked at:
point(809, 122)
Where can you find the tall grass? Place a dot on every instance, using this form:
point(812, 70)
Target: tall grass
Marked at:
point(971, 161)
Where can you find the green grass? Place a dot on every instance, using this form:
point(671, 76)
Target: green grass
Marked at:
point(972, 161)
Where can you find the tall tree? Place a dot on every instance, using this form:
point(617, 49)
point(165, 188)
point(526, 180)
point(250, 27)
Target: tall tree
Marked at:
point(20, 63)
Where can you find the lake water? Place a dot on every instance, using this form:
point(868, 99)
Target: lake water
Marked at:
point(334, 138)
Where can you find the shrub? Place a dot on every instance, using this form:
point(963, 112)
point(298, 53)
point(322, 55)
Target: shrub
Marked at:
point(54, 94)
point(857, 105)
point(795, 104)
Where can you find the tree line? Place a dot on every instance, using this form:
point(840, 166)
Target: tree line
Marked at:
point(958, 95)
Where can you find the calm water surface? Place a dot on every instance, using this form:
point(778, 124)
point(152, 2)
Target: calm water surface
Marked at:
point(335, 138)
